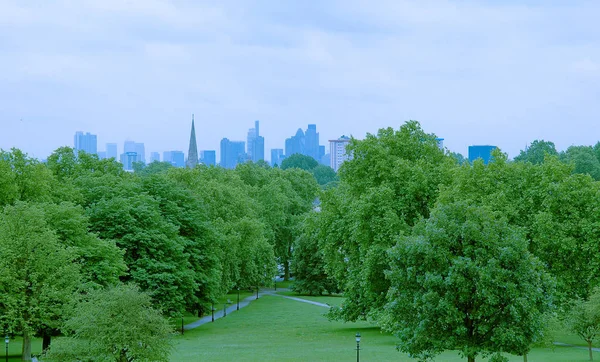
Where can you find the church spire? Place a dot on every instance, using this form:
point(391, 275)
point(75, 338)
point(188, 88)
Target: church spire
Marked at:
point(192, 160)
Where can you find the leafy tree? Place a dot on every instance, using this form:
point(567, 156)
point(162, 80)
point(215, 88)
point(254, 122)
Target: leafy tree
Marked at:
point(115, 324)
point(460, 159)
point(391, 182)
point(584, 160)
point(152, 168)
point(33, 180)
point(465, 280)
point(536, 152)
point(324, 175)
point(38, 275)
point(308, 263)
point(584, 319)
point(300, 161)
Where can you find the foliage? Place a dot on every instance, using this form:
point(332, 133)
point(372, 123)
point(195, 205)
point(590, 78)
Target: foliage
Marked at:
point(536, 152)
point(114, 324)
point(584, 319)
point(465, 280)
point(38, 275)
point(584, 160)
point(300, 161)
point(308, 262)
point(391, 182)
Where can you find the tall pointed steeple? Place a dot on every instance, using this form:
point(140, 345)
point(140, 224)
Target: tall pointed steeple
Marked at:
point(192, 160)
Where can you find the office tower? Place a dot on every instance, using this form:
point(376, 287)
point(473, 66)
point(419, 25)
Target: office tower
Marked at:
point(128, 146)
point(141, 152)
point(311, 142)
point(130, 154)
point(337, 151)
point(111, 150)
point(483, 152)
point(208, 158)
point(232, 153)
point(154, 157)
point(101, 155)
point(256, 144)
point(276, 156)
point(440, 143)
point(326, 159)
point(127, 159)
point(295, 144)
point(192, 160)
point(175, 158)
point(85, 142)
point(321, 154)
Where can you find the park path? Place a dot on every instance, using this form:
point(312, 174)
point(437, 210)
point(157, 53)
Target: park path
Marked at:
point(220, 312)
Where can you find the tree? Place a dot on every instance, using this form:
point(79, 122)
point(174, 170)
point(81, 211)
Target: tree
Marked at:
point(115, 324)
point(38, 274)
point(584, 159)
point(584, 319)
point(536, 152)
point(308, 263)
point(300, 161)
point(465, 280)
point(392, 181)
point(324, 175)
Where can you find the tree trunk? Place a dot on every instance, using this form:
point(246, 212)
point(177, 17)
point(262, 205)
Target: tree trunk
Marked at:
point(46, 340)
point(525, 357)
point(590, 349)
point(471, 358)
point(286, 268)
point(26, 351)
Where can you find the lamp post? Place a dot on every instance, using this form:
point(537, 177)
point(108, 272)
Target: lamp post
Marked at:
point(257, 292)
point(357, 347)
point(225, 307)
point(6, 340)
point(213, 311)
point(238, 301)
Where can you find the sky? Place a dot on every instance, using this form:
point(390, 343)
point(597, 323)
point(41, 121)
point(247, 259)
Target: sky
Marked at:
point(497, 72)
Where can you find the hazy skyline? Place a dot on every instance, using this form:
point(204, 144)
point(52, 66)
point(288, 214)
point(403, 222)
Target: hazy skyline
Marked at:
point(473, 72)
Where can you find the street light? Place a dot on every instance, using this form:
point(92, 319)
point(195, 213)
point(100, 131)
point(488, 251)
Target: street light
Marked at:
point(6, 340)
point(238, 303)
point(213, 311)
point(357, 347)
point(257, 292)
point(225, 307)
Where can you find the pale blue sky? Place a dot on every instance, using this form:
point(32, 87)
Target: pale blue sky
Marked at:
point(473, 72)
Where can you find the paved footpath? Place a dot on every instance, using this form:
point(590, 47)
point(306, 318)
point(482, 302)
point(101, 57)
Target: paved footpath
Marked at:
point(219, 312)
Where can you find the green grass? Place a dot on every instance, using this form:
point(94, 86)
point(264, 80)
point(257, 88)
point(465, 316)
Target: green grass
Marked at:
point(333, 300)
point(279, 329)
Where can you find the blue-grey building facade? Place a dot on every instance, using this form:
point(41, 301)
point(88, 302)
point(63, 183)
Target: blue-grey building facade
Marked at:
point(484, 152)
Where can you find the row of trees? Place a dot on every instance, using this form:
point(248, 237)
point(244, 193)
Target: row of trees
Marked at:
point(77, 225)
point(445, 255)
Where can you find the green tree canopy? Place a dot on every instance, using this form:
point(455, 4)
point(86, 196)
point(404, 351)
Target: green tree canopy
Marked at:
point(537, 151)
point(465, 280)
point(115, 324)
point(300, 161)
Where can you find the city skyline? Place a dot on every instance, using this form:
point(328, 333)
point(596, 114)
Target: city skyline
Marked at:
point(477, 72)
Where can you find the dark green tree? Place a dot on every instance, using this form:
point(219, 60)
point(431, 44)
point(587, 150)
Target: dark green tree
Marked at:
point(465, 280)
point(537, 151)
point(300, 161)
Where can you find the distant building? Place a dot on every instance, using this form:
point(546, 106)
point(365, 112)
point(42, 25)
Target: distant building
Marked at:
point(127, 159)
point(311, 142)
point(326, 160)
point(175, 158)
point(276, 156)
point(141, 152)
point(483, 152)
point(86, 142)
point(208, 157)
point(154, 156)
point(337, 151)
point(111, 150)
point(192, 160)
point(102, 155)
point(321, 153)
point(256, 144)
point(440, 142)
point(232, 153)
point(295, 144)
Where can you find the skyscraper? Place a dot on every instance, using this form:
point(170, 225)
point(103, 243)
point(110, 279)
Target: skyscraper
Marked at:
point(337, 151)
point(85, 142)
point(276, 156)
point(311, 142)
point(154, 156)
point(208, 157)
point(256, 144)
point(111, 150)
point(232, 153)
point(141, 152)
point(132, 152)
point(192, 160)
point(295, 144)
point(483, 152)
point(175, 158)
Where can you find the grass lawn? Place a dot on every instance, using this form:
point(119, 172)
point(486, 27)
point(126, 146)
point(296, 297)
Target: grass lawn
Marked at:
point(333, 300)
point(279, 329)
